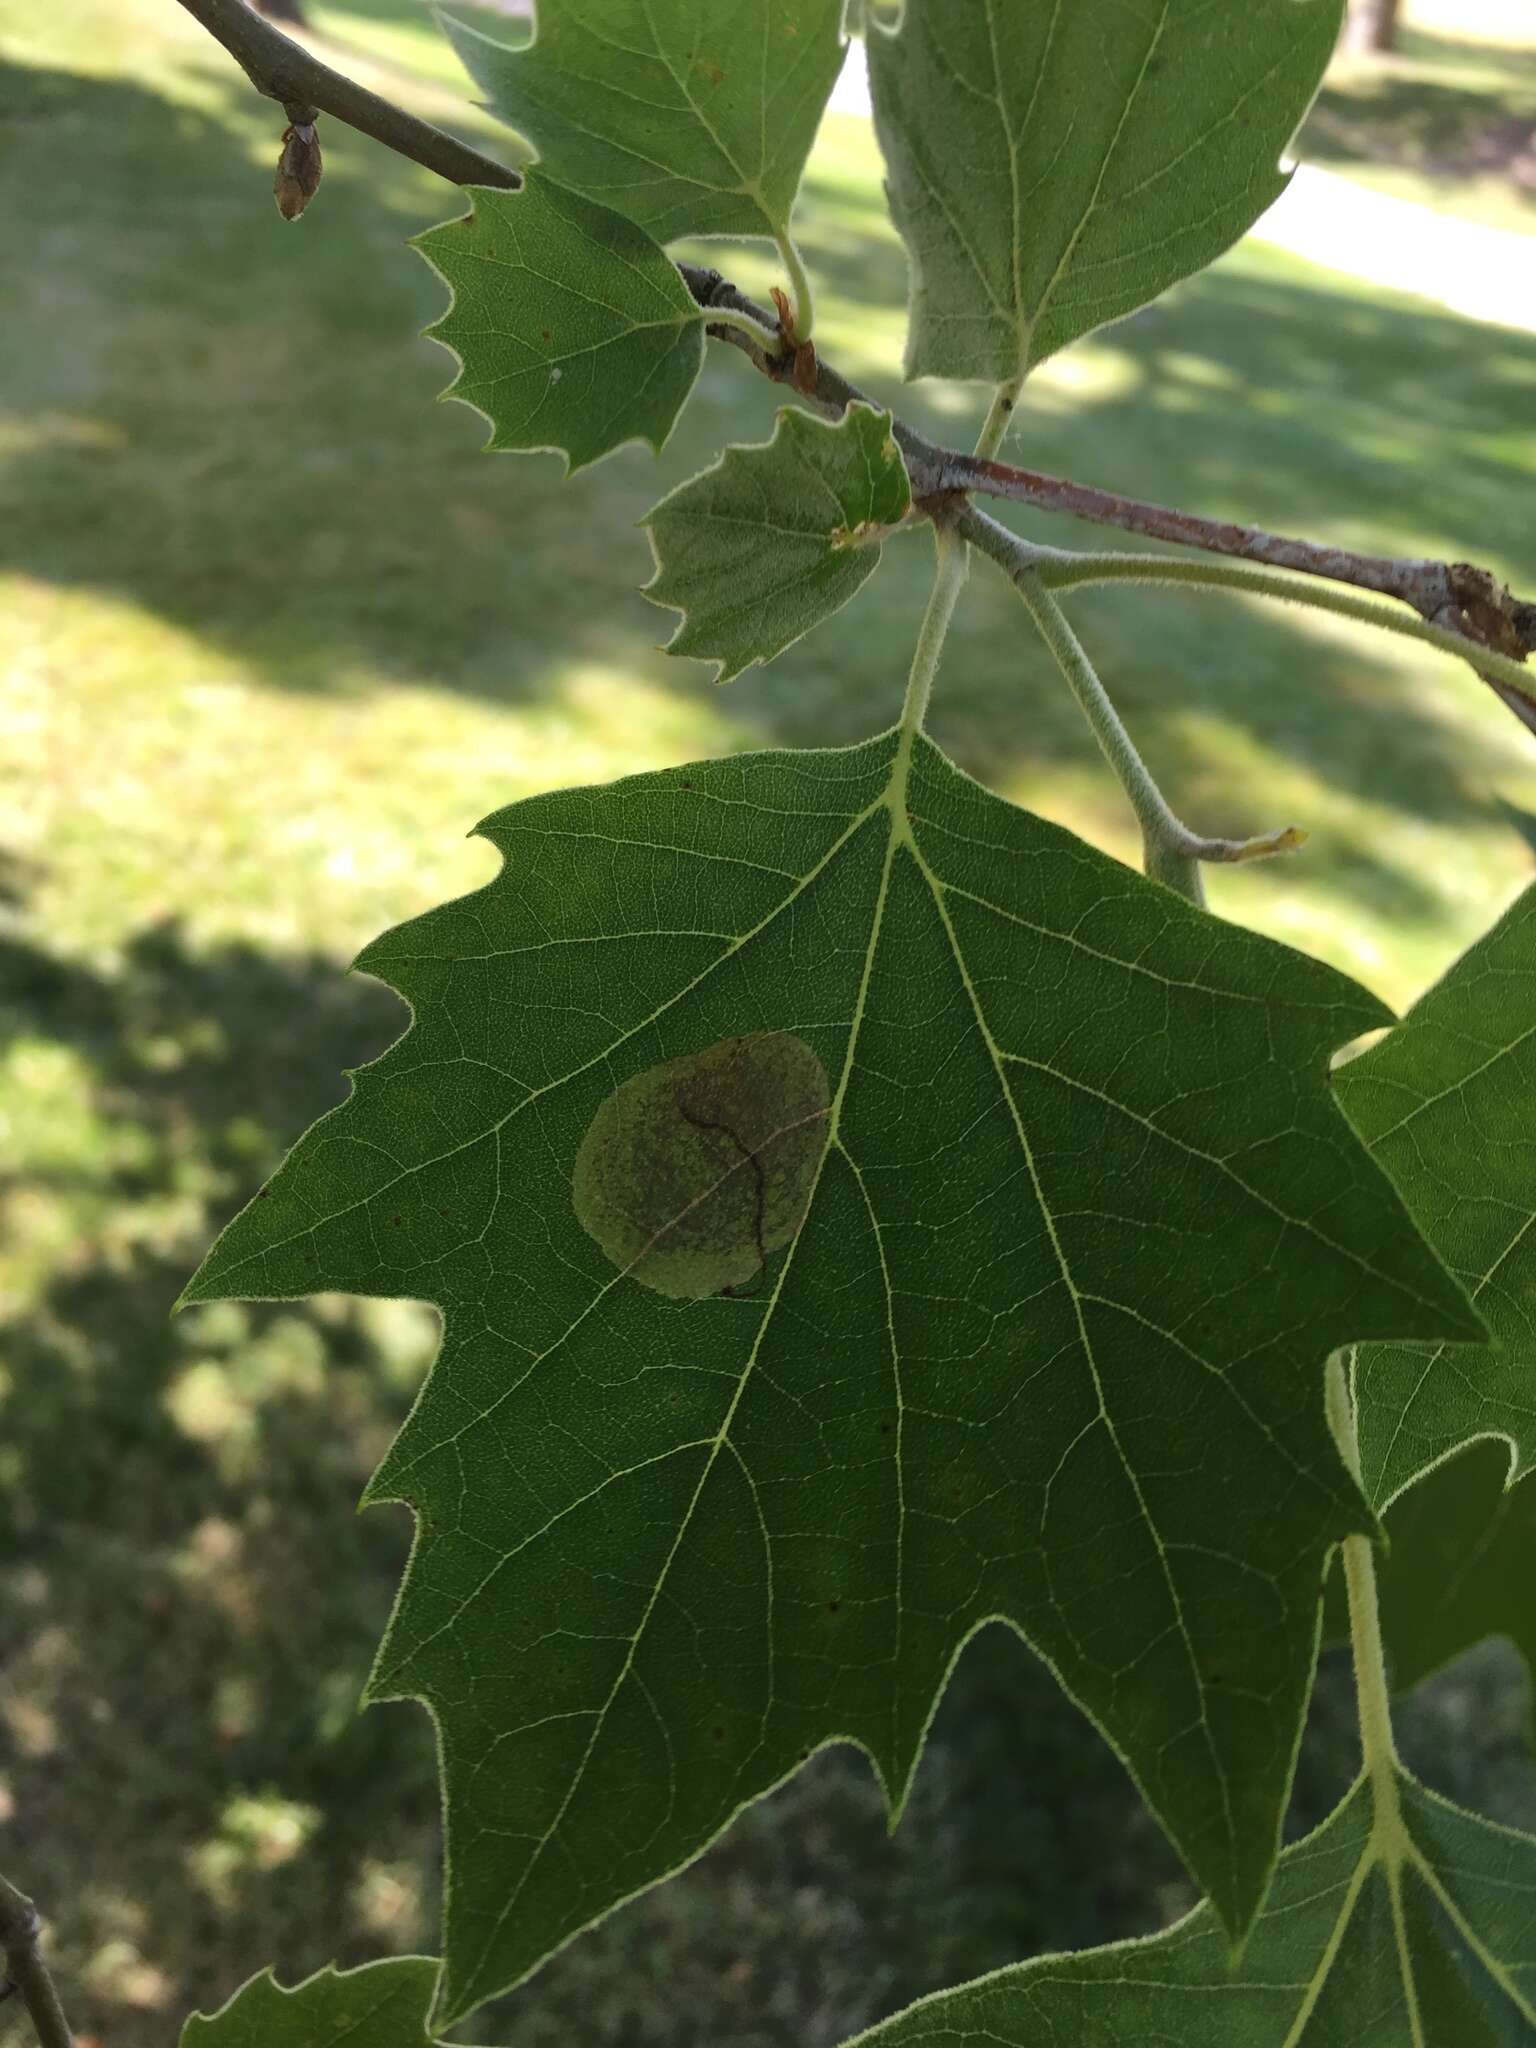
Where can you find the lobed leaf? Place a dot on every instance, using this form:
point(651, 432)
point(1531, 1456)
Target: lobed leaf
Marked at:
point(1054, 164)
point(572, 329)
point(381, 2005)
point(691, 119)
point(1048, 1346)
point(1447, 1104)
point(773, 539)
point(1403, 1922)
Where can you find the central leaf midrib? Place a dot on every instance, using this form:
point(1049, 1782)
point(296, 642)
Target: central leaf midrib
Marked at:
point(721, 1439)
point(1085, 1342)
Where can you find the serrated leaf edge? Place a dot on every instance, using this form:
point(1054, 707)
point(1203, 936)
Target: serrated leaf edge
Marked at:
point(451, 392)
point(839, 539)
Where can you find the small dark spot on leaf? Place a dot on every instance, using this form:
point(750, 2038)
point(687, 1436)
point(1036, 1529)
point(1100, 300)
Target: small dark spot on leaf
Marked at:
point(546, 334)
point(262, 1193)
point(834, 1606)
point(885, 1429)
point(718, 1734)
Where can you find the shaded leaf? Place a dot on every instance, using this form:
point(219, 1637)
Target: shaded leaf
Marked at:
point(1447, 1104)
point(382, 2005)
point(1459, 1568)
point(693, 119)
point(1049, 1345)
point(773, 539)
point(573, 331)
point(1054, 164)
point(1404, 1923)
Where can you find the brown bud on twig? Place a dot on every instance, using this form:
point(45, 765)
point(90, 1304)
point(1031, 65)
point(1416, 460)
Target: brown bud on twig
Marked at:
point(298, 169)
point(799, 356)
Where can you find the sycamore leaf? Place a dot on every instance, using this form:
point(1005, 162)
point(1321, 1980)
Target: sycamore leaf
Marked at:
point(1459, 1566)
point(382, 2005)
point(572, 329)
point(694, 118)
point(1054, 164)
point(1447, 1105)
point(1403, 1922)
point(1048, 1346)
point(775, 538)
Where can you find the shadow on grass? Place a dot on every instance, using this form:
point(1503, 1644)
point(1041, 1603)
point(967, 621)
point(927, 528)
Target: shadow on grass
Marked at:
point(249, 455)
point(188, 1601)
point(1446, 124)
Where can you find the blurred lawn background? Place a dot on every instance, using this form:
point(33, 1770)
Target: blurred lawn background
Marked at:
point(273, 635)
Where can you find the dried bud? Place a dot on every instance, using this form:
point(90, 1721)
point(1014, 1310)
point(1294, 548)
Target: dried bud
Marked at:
point(800, 356)
point(298, 169)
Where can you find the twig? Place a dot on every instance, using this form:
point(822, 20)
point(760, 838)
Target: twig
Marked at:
point(1173, 853)
point(1061, 570)
point(21, 1925)
point(1468, 604)
point(284, 71)
point(1457, 596)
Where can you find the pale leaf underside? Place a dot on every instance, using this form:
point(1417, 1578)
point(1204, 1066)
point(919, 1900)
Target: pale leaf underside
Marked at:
point(692, 119)
point(573, 331)
point(1054, 164)
point(1048, 1347)
point(773, 539)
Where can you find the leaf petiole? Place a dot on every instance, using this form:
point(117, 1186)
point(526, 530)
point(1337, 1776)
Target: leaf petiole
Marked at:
point(1060, 570)
point(949, 576)
point(994, 427)
point(801, 298)
point(1377, 1745)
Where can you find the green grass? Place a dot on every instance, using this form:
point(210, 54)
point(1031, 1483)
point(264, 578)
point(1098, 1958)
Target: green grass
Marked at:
point(1449, 120)
point(273, 635)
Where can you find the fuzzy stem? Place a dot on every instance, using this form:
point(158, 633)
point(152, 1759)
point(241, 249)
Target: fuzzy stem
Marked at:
point(801, 299)
point(1168, 857)
point(748, 323)
point(1513, 681)
point(999, 418)
point(1378, 1747)
point(948, 576)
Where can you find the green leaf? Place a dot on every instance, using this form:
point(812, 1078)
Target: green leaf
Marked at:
point(1054, 164)
point(573, 331)
point(1460, 1565)
point(1447, 1105)
point(381, 2005)
point(773, 539)
point(1048, 1347)
point(693, 118)
point(1403, 1922)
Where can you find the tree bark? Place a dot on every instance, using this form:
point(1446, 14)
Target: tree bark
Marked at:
point(1373, 26)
